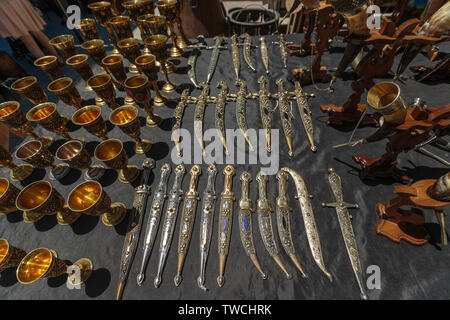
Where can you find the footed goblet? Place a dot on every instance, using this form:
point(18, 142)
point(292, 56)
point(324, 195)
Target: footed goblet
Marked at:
point(90, 118)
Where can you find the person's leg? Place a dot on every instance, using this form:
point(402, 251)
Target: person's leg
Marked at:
point(44, 40)
point(32, 46)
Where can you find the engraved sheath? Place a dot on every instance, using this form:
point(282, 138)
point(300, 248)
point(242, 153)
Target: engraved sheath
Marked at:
point(264, 210)
point(305, 114)
point(170, 218)
point(214, 58)
point(202, 101)
point(283, 211)
point(192, 61)
point(264, 53)
point(153, 220)
point(178, 116)
point(187, 221)
point(221, 102)
point(245, 223)
point(248, 52)
point(241, 101)
point(283, 50)
point(285, 114)
point(265, 110)
point(235, 55)
point(225, 222)
point(308, 219)
point(206, 223)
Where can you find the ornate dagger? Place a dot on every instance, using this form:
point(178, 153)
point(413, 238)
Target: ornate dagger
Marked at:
point(170, 218)
point(202, 101)
point(285, 114)
point(305, 114)
point(206, 223)
point(214, 58)
point(282, 44)
point(221, 102)
point(134, 225)
point(264, 53)
point(153, 220)
point(235, 55)
point(241, 100)
point(265, 223)
point(248, 52)
point(187, 221)
point(345, 223)
point(225, 222)
point(192, 61)
point(265, 110)
point(245, 223)
point(178, 116)
point(283, 221)
point(308, 219)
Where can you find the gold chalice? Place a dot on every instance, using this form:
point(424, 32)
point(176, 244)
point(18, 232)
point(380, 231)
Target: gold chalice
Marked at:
point(182, 40)
point(8, 195)
point(49, 64)
point(147, 65)
point(104, 88)
point(39, 199)
point(81, 65)
point(74, 153)
point(10, 256)
point(103, 13)
point(64, 89)
point(152, 24)
point(44, 263)
point(65, 45)
point(135, 9)
point(122, 27)
point(131, 49)
point(96, 49)
point(90, 118)
point(169, 10)
point(30, 88)
point(48, 117)
point(34, 153)
point(138, 87)
point(386, 98)
point(158, 46)
point(112, 153)
point(18, 172)
point(14, 118)
point(127, 119)
point(147, 6)
point(90, 198)
point(114, 64)
point(88, 29)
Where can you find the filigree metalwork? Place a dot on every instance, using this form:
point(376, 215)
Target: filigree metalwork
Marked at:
point(202, 101)
point(241, 101)
point(178, 116)
point(248, 52)
point(221, 102)
point(265, 110)
point(285, 114)
point(305, 114)
point(264, 53)
point(235, 55)
point(214, 58)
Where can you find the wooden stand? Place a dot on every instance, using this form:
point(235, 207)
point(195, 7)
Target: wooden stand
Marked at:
point(439, 72)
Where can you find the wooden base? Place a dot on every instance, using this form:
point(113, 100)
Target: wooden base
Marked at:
point(305, 77)
point(373, 168)
point(339, 116)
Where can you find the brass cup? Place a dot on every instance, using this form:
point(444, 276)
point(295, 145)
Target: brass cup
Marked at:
point(8, 195)
point(130, 49)
point(134, 9)
point(122, 27)
point(153, 24)
point(49, 64)
point(127, 119)
point(14, 118)
point(102, 12)
point(90, 118)
point(30, 88)
point(112, 153)
point(114, 64)
point(96, 49)
point(138, 87)
point(147, 65)
point(39, 199)
point(90, 198)
point(10, 256)
point(18, 172)
point(81, 65)
point(65, 45)
point(34, 153)
point(103, 86)
point(64, 89)
point(44, 263)
point(158, 46)
point(48, 117)
point(169, 10)
point(88, 29)
point(386, 98)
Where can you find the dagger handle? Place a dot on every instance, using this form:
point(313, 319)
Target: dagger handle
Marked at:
point(228, 184)
point(245, 202)
point(263, 202)
point(195, 173)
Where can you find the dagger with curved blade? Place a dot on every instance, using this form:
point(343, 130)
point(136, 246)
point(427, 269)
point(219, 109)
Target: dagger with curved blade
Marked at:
point(305, 114)
point(202, 101)
point(221, 102)
point(241, 101)
point(178, 116)
point(265, 110)
point(285, 114)
point(192, 61)
point(248, 51)
point(235, 55)
point(214, 58)
point(264, 53)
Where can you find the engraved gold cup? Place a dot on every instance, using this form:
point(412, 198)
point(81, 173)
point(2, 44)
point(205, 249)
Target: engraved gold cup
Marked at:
point(103, 13)
point(96, 49)
point(135, 9)
point(30, 88)
point(10, 256)
point(112, 153)
point(81, 65)
point(386, 98)
point(122, 27)
point(8, 195)
point(114, 64)
point(90, 198)
point(88, 29)
point(147, 65)
point(49, 64)
point(64, 89)
point(169, 10)
point(103, 86)
point(90, 118)
point(147, 6)
point(18, 172)
point(158, 47)
point(46, 115)
point(130, 49)
point(65, 45)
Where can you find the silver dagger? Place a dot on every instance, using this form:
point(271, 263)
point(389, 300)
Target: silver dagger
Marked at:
point(305, 114)
point(264, 53)
point(192, 61)
point(202, 101)
point(235, 55)
point(248, 52)
point(214, 58)
point(221, 102)
point(265, 110)
point(241, 101)
point(345, 223)
point(206, 223)
point(285, 114)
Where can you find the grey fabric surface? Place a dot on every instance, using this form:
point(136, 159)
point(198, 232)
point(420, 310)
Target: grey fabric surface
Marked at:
point(407, 272)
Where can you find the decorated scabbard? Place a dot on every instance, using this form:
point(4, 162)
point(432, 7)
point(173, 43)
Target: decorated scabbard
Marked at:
point(283, 211)
point(285, 114)
point(214, 58)
point(264, 53)
point(221, 102)
point(308, 219)
point(192, 61)
point(170, 218)
point(305, 114)
point(235, 56)
point(248, 51)
point(241, 101)
point(187, 221)
point(265, 110)
point(178, 116)
point(202, 101)
point(153, 220)
point(206, 223)
point(283, 50)
point(245, 223)
point(264, 210)
point(225, 222)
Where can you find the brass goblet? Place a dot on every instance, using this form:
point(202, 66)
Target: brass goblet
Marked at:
point(104, 88)
point(131, 49)
point(18, 172)
point(158, 46)
point(96, 49)
point(81, 65)
point(127, 119)
point(49, 64)
point(152, 24)
point(48, 117)
point(30, 88)
point(65, 45)
point(112, 153)
point(103, 13)
point(90, 118)
point(147, 6)
point(138, 87)
point(10, 256)
point(34, 153)
point(8, 195)
point(169, 10)
point(88, 29)
point(14, 118)
point(134, 9)
point(64, 89)
point(147, 65)
point(39, 199)
point(122, 27)
point(74, 153)
point(114, 64)
point(90, 198)
point(44, 263)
